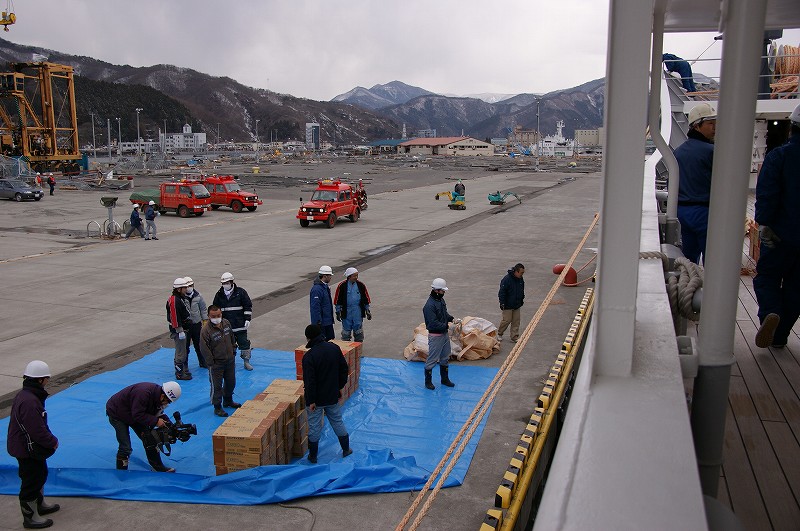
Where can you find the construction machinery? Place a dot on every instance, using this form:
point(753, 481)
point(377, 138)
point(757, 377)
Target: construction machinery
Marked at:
point(457, 202)
point(38, 120)
point(499, 198)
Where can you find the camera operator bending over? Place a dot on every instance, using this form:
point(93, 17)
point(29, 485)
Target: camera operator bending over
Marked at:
point(141, 407)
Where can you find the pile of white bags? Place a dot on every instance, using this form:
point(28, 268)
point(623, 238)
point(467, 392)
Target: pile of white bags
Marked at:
point(475, 338)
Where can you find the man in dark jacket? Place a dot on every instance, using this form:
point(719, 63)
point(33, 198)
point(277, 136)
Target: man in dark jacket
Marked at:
point(695, 160)
point(150, 214)
point(237, 308)
point(218, 347)
point(437, 321)
point(141, 407)
point(31, 442)
point(777, 284)
point(351, 301)
point(321, 302)
point(512, 296)
point(136, 223)
point(179, 321)
point(324, 375)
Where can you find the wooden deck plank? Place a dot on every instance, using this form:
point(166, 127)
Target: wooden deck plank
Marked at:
point(760, 391)
point(783, 511)
point(787, 449)
point(744, 498)
point(789, 366)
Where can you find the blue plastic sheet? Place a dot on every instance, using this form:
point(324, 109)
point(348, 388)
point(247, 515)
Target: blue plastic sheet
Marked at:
point(398, 431)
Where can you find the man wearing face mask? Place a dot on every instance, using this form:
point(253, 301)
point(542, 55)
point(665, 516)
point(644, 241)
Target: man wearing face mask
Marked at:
point(238, 310)
point(198, 314)
point(437, 321)
point(218, 346)
point(179, 322)
point(321, 302)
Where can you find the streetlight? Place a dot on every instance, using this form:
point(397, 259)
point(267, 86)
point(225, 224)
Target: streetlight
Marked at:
point(94, 142)
point(538, 138)
point(119, 138)
point(217, 147)
point(164, 147)
point(138, 138)
point(257, 120)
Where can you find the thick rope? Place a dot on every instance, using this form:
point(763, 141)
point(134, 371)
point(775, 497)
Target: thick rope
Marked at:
point(681, 290)
point(787, 69)
point(485, 401)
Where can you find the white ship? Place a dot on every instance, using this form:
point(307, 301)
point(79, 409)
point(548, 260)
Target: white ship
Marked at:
point(556, 145)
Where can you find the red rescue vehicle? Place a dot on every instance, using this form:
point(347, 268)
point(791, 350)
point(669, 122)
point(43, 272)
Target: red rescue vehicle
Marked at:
point(331, 200)
point(225, 191)
point(183, 197)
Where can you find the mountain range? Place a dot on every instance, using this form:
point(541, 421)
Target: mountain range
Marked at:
point(104, 91)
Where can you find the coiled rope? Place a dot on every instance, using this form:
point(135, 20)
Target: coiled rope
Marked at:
point(787, 70)
point(681, 290)
point(461, 440)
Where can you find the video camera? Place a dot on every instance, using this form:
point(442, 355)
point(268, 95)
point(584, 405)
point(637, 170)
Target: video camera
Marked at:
point(163, 438)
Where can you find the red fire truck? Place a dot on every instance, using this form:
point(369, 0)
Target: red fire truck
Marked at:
point(331, 200)
point(225, 191)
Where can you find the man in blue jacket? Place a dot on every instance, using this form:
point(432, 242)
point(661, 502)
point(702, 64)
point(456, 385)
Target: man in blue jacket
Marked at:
point(512, 297)
point(437, 321)
point(777, 283)
point(321, 302)
point(324, 375)
point(695, 159)
point(31, 442)
point(136, 223)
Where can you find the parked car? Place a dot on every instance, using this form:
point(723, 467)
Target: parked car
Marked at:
point(18, 190)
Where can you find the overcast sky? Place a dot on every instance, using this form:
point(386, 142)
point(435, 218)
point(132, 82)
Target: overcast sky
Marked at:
point(318, 49)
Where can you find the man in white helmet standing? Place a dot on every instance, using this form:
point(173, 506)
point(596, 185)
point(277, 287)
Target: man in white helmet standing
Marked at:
point(237, 308)
point(31, 442)
point(437, 321)
point(777, 283)
point(351, 301)
point(150, 214)
point(179, 321)
point(198, 314)
point(695, 159)
point(321, 302)
point(141, 407)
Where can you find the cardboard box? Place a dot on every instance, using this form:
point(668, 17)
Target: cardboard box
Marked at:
point(242, 436)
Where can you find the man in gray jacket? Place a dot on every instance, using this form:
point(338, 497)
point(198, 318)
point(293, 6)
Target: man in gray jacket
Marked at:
point(198, 314)
point(218, 345)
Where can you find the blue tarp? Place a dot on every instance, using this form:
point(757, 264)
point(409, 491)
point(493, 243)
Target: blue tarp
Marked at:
point(398, 430)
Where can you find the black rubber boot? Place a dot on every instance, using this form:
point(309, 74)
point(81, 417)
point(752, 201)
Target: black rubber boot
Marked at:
point(344, 441)
point(122, 464)
point(30, 516)
point(154, 458)
point(445, 378)
point(313, 448)
point(46, 508)
point(429, 379)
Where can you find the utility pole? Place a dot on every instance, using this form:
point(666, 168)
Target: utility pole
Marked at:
point(138, 138)
point(119, 138)
point(217, 135)
point(108, 124)
point(164, 147)
point(257, 120)
point(94, 142)
point(538, 137)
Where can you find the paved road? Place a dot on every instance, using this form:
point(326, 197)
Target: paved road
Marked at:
point(87, 306)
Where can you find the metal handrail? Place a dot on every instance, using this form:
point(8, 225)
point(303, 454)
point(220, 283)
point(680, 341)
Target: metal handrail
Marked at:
point(99, 229)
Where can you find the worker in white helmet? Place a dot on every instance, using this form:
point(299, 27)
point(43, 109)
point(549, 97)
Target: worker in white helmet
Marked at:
point(237, 308)
point(179, 322)
point(351, 301)
point(321, 302)
point(437, 321)
point(31, 442)
point(695, 158)
point(777, 284)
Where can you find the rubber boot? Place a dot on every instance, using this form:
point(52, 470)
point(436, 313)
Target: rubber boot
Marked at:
point(313, 448)
point(445, 378)
point(429, 379)
point(181, 373)
point(31, 518)
point(246, 359)
point(46, 508)
point(122, 464)
point(344, 441)
point(154, 458)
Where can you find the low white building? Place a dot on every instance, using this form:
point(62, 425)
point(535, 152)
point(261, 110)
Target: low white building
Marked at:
point(450, 145)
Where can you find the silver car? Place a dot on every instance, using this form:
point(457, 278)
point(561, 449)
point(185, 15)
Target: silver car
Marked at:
point(18, 190)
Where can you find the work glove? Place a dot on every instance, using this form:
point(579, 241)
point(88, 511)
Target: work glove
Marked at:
point(369, 315)
point(502, 306)
point(768, 236)
point(457, 322)
point(181, 335)
point(339, 316)
point(246, 324)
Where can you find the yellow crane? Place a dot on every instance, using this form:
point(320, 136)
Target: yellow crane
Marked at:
point(8, 17)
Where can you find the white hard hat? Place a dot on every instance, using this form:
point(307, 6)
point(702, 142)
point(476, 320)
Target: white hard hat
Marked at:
point(350, 271)
point(325, 270)
point(795, 116)
point(151, 203)
point(136, 206)
point(172, 390)
point(226, 277)
point(439, 283)
point(37, 369)
point(704, 111)
point(179, 282)
point(188, 280)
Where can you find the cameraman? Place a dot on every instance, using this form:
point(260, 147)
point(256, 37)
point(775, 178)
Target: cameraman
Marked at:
point(141, 407)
